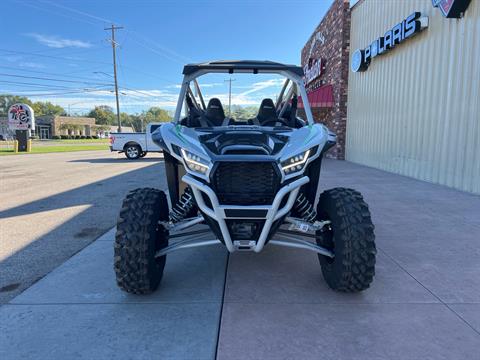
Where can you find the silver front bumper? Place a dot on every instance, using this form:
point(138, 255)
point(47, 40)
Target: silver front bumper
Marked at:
point(270, 213)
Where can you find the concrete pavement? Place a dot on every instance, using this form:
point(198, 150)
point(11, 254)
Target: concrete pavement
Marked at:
point(53, 205)
point(424, 302)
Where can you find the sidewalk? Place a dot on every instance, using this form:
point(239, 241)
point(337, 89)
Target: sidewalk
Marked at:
point(424, 302)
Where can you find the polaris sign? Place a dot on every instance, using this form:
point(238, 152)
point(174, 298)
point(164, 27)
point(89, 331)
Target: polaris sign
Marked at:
point(412, 25)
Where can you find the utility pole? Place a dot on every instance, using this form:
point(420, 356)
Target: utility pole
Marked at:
point(114, 46)
point(229, 96)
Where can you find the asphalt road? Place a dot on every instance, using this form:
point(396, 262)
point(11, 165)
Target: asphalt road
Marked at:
point(53, 205)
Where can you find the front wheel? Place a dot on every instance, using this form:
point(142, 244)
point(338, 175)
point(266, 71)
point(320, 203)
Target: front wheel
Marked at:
point(139, 236)
point(351, 238)
point(133, 152)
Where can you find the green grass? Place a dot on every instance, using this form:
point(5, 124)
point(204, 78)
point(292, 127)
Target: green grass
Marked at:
point(80, 141)
point(71, 141)
point(53, 149)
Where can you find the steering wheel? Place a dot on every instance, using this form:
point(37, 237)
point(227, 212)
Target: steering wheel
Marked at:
point(274, 121)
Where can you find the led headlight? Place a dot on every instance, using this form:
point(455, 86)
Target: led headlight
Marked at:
point(195, 162)
point(295, 163)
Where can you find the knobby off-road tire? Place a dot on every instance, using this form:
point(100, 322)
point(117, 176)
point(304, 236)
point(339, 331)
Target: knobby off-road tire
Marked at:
point(139, 236)
point(350, 236)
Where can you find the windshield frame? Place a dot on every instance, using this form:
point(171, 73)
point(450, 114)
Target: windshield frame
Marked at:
point(293, 77)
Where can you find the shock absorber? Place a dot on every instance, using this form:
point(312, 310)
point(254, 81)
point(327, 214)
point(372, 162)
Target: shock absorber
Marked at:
point(304, 209)
point(183, 207)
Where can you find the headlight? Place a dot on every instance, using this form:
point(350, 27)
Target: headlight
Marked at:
point(195, 162)
point(295, 163)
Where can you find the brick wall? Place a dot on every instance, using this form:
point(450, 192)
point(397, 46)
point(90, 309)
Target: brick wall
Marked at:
point(335, 28)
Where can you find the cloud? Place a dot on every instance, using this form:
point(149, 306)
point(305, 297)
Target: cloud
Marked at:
point(33, 65)
point(258, 86)
point(12, 58)
point(209, 85)
point(58, 42)
point(206, 85)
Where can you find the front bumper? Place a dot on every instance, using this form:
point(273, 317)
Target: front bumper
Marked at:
point(270, 213)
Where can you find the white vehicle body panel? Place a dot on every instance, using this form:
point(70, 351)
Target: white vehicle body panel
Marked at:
point(143, 139)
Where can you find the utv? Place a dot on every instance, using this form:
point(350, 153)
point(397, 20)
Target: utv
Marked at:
point(254, 183)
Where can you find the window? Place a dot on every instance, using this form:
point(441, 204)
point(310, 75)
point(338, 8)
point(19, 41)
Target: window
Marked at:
point(154, 127)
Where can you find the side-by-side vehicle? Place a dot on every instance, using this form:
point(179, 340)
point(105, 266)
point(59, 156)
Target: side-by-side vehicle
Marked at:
point(254, 182)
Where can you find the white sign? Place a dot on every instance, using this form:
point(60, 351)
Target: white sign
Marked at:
point(21, 117)
point(318, 37)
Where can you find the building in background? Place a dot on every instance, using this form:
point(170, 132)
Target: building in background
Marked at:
point(325, 61)
point(414, 109)
point(48, 126)
point(5, 132)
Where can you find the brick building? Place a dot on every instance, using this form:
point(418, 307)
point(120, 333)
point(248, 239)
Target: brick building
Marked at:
point(325, 59)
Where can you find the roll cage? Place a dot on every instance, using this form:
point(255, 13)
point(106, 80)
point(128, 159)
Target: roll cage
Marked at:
point(293, 74)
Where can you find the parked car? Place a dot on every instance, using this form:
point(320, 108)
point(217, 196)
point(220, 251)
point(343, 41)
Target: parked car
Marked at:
point(254, 182)
point(135, 145)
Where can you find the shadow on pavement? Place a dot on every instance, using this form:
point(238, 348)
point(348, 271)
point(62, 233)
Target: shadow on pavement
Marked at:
point(110, 161)
point(101, 201)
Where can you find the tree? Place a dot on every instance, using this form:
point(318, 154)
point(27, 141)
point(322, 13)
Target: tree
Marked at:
point(136, 121)
point(7, 100)
point(156, 114)
point(103, 115)
point(243, 112)
point(47, 108)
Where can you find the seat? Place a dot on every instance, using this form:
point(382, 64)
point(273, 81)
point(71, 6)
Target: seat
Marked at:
point(214, 114)
point(290, 113)
point(266, 112)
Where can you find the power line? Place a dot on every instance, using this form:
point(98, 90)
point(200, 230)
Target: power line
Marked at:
point(58, 13)
point(51, 56)
point(162, 50)
point(52, 79)
point(62, 93)
point(69, 75)
point(56, 87)
point(78, 11)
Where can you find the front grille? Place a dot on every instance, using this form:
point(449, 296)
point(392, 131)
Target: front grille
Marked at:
point(245, 183)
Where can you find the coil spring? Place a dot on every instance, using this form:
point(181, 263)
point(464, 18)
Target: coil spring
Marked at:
point(182, 207)
point(304, 209)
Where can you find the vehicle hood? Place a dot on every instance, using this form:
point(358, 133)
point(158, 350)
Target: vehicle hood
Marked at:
point(243, 143)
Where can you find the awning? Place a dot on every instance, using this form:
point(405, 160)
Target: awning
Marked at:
point(321, 97)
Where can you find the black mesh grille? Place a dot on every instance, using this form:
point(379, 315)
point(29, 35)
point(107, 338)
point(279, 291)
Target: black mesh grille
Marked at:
point(245, 183)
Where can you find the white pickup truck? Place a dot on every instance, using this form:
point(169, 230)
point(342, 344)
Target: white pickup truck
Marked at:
point(135, 145)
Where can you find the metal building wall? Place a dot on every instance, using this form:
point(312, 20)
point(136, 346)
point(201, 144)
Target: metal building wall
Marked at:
point(416, 110)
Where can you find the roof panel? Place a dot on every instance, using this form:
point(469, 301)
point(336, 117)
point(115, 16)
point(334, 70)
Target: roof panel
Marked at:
point(232, 65)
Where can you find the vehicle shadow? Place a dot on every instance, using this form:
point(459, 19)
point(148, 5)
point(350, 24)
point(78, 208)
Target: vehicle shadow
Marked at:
point(110, 161)
point(97, 203)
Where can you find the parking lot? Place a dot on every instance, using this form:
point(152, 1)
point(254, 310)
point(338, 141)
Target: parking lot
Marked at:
point(53, 205)
point(423, 304)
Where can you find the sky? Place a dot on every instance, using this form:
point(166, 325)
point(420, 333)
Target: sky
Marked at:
point(58, 51)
